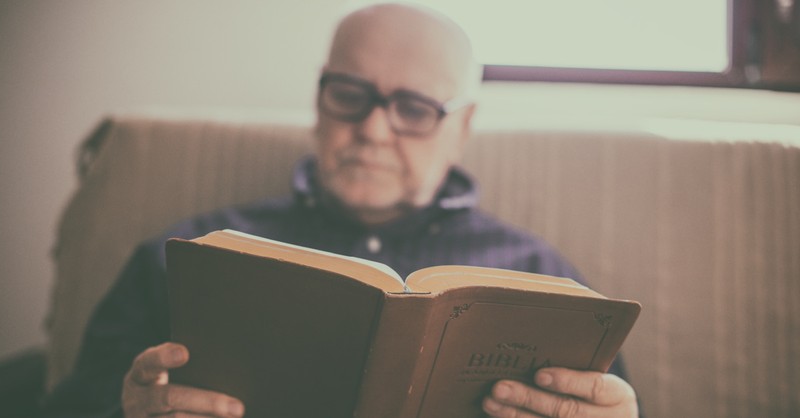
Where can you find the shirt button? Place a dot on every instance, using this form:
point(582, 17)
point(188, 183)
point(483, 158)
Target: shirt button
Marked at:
point(373, 244)
point(310, 202)
point(434, 229)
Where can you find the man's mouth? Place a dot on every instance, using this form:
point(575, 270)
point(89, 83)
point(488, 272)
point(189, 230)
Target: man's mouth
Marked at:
point(368, 165)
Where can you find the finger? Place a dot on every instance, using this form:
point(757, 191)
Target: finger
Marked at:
point(151, 365)
point(497, 409)
point(519, 396)
point(179, 399)
point(180, 414)
point(596, 388)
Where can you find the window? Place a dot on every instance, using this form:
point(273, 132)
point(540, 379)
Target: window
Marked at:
point(674, 35)
point(742, 43)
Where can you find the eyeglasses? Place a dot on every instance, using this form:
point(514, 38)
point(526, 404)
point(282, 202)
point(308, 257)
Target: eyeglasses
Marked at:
point(351, 99)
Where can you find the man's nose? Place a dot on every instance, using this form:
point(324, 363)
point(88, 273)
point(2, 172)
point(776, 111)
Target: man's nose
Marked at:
point(376, 126)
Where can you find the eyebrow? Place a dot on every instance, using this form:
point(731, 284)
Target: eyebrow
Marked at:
point(402, 90)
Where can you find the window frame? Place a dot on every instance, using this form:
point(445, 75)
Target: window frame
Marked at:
point(739, 28)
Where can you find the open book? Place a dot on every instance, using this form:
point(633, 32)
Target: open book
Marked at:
point(296, 332)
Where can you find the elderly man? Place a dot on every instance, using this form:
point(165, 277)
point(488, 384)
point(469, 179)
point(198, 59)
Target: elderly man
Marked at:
point(394, 111)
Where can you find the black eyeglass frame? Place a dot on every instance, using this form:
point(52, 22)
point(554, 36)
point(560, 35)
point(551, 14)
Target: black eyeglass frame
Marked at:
point(378, 99)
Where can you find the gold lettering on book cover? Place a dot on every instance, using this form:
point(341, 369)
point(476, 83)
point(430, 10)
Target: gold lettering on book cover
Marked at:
point(510, 360)
point(603, 319)
point(458, 310)
point(516, 347)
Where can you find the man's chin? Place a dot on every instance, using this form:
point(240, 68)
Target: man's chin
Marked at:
point(367, 193)
point(371, 203)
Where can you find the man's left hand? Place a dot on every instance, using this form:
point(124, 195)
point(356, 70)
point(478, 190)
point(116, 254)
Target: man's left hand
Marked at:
point(563, 393)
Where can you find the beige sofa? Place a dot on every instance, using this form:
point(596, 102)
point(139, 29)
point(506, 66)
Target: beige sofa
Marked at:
point(704, 233)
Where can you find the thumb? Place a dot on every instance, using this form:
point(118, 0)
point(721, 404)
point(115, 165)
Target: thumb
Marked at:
point(151, 366)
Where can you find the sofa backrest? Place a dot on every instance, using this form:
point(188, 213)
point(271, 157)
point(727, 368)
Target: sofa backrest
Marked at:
point(704, 233)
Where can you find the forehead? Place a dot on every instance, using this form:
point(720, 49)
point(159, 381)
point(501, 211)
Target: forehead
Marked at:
point(401, 51)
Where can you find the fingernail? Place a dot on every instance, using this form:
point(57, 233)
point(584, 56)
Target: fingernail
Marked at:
point(544, 379)
point(489, 405)
point(502, 391)
point(177, 355)
point(236, 408)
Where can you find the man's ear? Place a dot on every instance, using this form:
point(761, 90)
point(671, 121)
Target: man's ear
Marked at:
point(464, 132)
point(466, 122)
point(317, 130)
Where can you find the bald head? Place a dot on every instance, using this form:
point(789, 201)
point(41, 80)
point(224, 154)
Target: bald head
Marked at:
point(409, 47)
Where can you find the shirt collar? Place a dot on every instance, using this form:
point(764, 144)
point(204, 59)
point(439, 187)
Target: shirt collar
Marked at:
point(459, 190)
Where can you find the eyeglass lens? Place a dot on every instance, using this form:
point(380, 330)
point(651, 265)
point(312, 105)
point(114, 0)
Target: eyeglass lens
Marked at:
point(352, 101)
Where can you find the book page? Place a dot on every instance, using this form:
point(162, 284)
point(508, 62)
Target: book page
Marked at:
point(442, 278)
point(370, 272)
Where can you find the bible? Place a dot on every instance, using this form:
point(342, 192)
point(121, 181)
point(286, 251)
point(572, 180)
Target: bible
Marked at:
point(296, 332)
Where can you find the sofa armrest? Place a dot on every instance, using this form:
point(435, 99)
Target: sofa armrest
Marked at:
point(22, 383)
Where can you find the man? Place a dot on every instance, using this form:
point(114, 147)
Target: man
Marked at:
point(393, 115)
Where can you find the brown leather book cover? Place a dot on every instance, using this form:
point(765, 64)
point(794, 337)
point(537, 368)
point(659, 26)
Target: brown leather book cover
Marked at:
point(283, 329)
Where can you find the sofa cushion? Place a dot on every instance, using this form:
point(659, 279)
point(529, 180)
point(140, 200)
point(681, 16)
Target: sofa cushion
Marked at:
point(703, 231)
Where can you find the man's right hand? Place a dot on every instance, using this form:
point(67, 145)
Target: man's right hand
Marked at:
point(147, 391)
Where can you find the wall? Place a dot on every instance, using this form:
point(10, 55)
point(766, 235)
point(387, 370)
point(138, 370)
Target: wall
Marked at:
point(65, 64)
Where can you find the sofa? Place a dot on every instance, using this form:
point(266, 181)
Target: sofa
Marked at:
point(700, 227)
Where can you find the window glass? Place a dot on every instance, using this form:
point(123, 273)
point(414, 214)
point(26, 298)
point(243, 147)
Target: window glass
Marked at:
point(664, 35)
point(673, 35)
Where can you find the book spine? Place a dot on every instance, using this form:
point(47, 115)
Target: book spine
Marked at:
point(388, 375)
